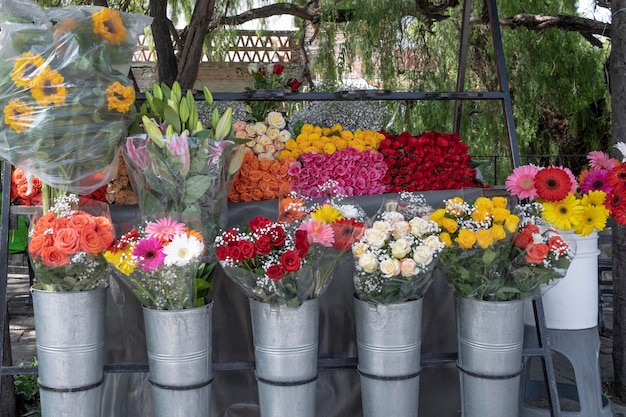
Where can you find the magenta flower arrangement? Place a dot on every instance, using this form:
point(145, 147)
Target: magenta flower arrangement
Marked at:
point(355, 172)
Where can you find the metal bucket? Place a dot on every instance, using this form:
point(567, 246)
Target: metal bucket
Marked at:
point(490, 341)
point(70, 351)
point(179, 358)
point(285, 349)
point(389, 341)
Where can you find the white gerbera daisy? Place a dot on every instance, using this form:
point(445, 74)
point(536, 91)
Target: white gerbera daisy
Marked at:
point(621, 146)
point(182, 250)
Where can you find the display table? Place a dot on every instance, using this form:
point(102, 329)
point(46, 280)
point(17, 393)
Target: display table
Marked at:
point(235, 391)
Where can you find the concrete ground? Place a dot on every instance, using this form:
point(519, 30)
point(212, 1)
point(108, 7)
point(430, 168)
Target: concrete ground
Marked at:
point(22, 330)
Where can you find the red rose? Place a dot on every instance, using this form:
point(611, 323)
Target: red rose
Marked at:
point(536, 253)
point(235, 253)
point(247, 249)
point(263, 245)
point(294, 84)
point(302, 244)
point(523, 239)
point(277, 236)
point(558, 245)
point(278, 69)
point(230, 236)
point(222, 252)
point(259, 222)
point(290, 261)
point(275, 272)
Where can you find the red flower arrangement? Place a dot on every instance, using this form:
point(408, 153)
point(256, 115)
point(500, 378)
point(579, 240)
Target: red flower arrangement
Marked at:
point(430, 161)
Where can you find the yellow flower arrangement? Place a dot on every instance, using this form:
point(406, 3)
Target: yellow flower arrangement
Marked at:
point(328, 140)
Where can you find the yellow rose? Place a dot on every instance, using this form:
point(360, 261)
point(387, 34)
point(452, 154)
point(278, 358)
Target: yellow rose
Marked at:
point(455, 206)
point(449, 224)
point(481, 215)
point(445, 238)
point(284, 154)
point(291, 145)
point(500, 214)
point(437, 216)
point(306, 128)
point(483, 204)
point(330, 148)
point(484, 238)
point(500, 202)
point(511, 222)
point(498, 232)
point(465, 239)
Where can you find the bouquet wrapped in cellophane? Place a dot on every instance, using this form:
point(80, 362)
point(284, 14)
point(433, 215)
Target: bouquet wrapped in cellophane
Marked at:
point(67, 243)
point(493, 254)
point(159, 261)
point(64, 90)
point(395, 258)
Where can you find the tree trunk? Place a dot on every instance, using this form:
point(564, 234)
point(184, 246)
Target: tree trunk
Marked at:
point(7, 397)
point(617, 86)
point(163, 45)
point(192, 52)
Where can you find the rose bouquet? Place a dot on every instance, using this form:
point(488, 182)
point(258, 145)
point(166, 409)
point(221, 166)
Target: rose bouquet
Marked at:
point(268, 77)
point(179, 165)
point(159, 262)
point(395, 258)
point(64, 90)
point(66, 245)
point(493, 256)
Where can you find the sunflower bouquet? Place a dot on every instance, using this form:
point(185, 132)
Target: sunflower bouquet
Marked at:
point(159, 261)
point(64, 90)
point(493, 254)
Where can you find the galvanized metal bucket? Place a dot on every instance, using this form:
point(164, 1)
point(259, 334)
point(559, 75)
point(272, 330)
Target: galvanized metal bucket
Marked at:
point(179, 358)
point(389, 341)
point(285, 349)
point(70, 351)
point(490, 341)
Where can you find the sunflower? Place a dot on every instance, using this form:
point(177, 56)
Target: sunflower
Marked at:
point(18, 115)
point(552, 183)
point(48, 89)
point(26, 68)
point(563, 214)
point(120, 97)
point(108, 24)
point(591, 218)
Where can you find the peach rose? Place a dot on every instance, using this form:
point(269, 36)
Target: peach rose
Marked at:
point(536, 253)
point(36, 244)
point(90, 241)
point(82, 220)
point(53, 258)
point(66, 240)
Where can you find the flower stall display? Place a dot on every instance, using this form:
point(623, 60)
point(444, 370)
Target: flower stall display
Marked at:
point(484, 257)
point(268, 77)
point(179, 165)
point(430, 161)
point(158, 261)
point(64, 91)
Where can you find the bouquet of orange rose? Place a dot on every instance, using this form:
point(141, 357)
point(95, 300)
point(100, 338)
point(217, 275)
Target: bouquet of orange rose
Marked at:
point(493, 254)
point(67, 245)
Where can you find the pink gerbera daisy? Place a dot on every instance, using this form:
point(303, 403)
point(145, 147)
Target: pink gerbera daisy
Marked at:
point(521, 182)
point(600, 160)
point(165, 229)
point(572, 179)
point(149, 253)
point(319, 232)
point(595, 180)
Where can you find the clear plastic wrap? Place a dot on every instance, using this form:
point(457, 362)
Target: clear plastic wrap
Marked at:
point(64, 90)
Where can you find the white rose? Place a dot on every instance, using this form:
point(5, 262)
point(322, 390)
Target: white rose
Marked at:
point(250, 131)
point(264, 140)
point(422, 255)
point(382, 226)
point(284, 136)
point(279, 145)
point(393, 217)
point(258, 148)
point(273, 132)
point(401, 229)
point(276, 119)
point(359, 248)
point(408, 267)
point(433, 243)
point(241, 134)
point(271, 149)
point(368, 262)
point(390, 267)
point(260, 128)
point(265, 155)
point(400, 248)
point(419, 226)
point(375, 237)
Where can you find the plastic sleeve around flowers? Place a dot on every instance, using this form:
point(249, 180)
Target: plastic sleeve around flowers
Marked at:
point(64, 90)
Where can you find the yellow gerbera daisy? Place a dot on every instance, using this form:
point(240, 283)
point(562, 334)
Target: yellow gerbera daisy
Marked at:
point(594, 198)
point(563, 214)
point(26, 68)
point(326, 214)
point(48, 89)
point(18, 115)
point(592, 218)
point(108, 24)
point(120, 97)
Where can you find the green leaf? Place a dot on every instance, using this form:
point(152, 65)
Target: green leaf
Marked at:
point(171, 116)
point(195, 187)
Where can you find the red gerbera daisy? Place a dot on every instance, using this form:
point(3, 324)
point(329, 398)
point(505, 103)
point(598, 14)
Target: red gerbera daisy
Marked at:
point(615, 201)
point(347, 231)
point(619, 215)
point(552, 183)
point(617, 176)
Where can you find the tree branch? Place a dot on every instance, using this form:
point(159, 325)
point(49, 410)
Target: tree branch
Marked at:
point(311, 11)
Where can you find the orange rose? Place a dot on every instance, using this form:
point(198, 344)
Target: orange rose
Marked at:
point(536, 253)
point(18, 176)
point(269, 195)
point(107, 237)
point(246, 197)
point(36, 244)
point(82, 220)
point(255, 176)
point(66, 240)
point(53, 258)
point(235, 198)
point(45, 222)
point(257, 194)
point(90, 241)
point(275, 167)
point(264, 164)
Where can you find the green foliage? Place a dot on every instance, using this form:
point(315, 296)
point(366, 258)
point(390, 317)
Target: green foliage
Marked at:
point(27, 392)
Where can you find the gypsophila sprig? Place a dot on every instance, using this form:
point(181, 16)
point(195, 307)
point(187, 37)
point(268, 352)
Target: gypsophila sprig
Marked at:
point(395, 258)
point(158, 261)
point(66, 245)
